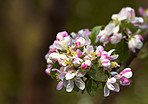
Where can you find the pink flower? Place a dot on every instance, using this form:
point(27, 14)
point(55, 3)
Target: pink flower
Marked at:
point(141, 11)
point(106, 63)
point(60, 36)
point(99, 50)
point(78, 53)
point(135, 43)
point(79, 42)
point(125, 75)
point(86, 64)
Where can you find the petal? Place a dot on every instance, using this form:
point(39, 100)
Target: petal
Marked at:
point(80, 84)
point(69, 76)
point(106, 91)
point(114, 73)
point(110, 83)
point(78, 53)
point(141, 11)
point(111, 51)
point(117, 88)
point(79, 73)
point(113, 57)
point(70, 86)
point(124, 81)
point(62, 75)
point(58, 45)
point(60, 85)
point(116, 29)
point(126, 73)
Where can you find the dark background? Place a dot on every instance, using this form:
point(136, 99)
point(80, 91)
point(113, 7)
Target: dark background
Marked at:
point(28, 27)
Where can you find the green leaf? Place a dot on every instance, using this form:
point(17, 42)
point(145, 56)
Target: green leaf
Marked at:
point(56, 65)
point(109, 46)
point(97, 74)
point(91, 87)
point(52, 74)
point(123, 50)
point(94, 34)
point(76, 88)
point(133, 28)
point(100, 86)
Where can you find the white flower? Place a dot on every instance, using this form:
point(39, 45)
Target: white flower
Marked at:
point(63, 60)
point(116, 38)
point(77, 62)
point(125, 13)
point(135, 43)
point(103, 35)
point(88, 52)
point(136, 20)
point(111, 85)
point(84, 33)
point(54, 56)
point(99, 50)
point(79, 42)
point(60, 36)
point(63, 43)
point(128, 13)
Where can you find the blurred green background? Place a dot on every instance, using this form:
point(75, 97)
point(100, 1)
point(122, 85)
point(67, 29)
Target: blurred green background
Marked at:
point(28, 27)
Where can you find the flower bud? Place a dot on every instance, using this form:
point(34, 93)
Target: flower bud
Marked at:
point(106, 63)
point(86, 64)
point(99, 50)
point(60, 36)
point(79, 42)
point(116, 38)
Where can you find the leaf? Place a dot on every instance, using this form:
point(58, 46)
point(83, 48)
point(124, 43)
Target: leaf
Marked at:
point(133, 28)
point(94, 34)
point(123, 50)
point(91, 87)
point(100, 86)
point(52, 74)
point(97, 74)
point(109, 46)
point(76, 88)
point(56, 65)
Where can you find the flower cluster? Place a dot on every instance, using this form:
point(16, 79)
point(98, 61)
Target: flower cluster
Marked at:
point(80, 60)
point(117, 29)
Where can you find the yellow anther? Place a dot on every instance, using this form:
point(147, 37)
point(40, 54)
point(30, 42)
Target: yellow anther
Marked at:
point(74, 52)
point(57, 77)
point(114, 64)
point(92, 53)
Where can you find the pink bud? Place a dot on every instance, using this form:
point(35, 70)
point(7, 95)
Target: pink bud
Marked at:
point(141, 11)
point(86, 64)
point(106, 63)
point(61, 35)
point(99, 50)
point(78, 53)
point(140, 37)
point(124, 81)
